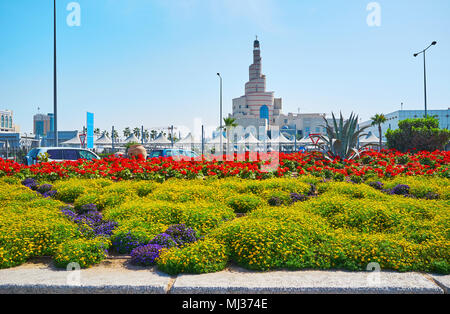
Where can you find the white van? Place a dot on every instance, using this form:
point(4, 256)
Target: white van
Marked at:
point(59, 154)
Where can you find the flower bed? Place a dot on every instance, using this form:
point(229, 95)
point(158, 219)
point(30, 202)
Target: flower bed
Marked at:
point(198, 226)
point(386, 164)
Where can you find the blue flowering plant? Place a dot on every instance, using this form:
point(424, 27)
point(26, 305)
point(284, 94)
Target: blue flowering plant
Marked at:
point(145, 255)
point(182, 234)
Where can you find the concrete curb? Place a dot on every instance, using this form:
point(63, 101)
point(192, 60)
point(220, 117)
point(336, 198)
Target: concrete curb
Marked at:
point(116, 277)
point(309, 282)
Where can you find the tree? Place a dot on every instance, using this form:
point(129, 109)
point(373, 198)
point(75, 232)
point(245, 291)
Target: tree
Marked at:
point(230, 123)
point(137, 132)
point(378, 120)
point(127, 132)
point(115, 134)
point(105, 133)
point(146, 135)
point(153, 134)
point(418, 134)
point(342, 138)
point(97, 131)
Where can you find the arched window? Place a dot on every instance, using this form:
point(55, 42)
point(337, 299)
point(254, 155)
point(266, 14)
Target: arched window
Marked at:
point(10, 122)
point(264, 112)
point(3, 121)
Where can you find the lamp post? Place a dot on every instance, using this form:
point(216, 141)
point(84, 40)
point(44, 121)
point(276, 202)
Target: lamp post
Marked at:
point(425, 74)
point(55, 95)
point(221, 125)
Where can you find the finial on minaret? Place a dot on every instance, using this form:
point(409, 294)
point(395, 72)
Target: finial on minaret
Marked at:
point(256, 43)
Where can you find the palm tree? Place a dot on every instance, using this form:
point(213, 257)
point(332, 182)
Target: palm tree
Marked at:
point(97, 131)
point(153, 134)
point(115, 134)
point(230, 123)
point(137, 132)
point(127, 132)
point(146, 135)
point(105, 133)
point(378, 120)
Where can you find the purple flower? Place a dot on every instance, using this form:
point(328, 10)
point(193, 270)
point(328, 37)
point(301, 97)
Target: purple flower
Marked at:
point(30, 183)
point(145, 255)
point(106, 228)
point(94, 216)
point(87, 208)
point(69, 213)
point(51, 193)
point(400, 189)
point(164, 240)
point(44, 188)
point(182, 234)
point(377, 185)
point(295, 197)
point(124, 244)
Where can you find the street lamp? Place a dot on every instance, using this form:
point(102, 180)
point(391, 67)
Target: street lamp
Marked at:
point(221, 126)
point(55, 95)
point(425, 73)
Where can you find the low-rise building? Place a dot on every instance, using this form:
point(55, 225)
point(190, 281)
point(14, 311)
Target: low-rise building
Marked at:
point(395, 117)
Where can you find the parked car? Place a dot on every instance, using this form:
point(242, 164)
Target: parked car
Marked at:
point(58, 154)
point(157, 153)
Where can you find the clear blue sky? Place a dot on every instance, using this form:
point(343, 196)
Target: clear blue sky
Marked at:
point(154, 62)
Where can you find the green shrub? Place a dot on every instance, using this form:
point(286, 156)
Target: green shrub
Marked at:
point(204, 256)
point(84, 252)
point(418, 134)
point(134, 233)
point(244, 203)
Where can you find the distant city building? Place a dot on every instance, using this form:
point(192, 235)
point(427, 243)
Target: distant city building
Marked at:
point(260, 108)
point(43, 124)
point(63, 136)
point(6, 122)
point(395, 117)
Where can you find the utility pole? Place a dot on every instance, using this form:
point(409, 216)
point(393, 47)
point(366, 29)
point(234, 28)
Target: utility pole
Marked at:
point(55, 85)
point(112, 138)
point(425, 74)
point(221, 120)
point(203, 141)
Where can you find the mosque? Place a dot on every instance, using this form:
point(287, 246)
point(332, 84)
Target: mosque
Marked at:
point(259, 107)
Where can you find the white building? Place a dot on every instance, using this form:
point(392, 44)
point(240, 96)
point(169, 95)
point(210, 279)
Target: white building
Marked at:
point(393, 118)
point(257, 103)
point(6, 122)
point(260, 108)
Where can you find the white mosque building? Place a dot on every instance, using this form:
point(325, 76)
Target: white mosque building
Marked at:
point(258, 107)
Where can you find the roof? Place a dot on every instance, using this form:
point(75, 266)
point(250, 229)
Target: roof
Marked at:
point(281, 139)
point(73, 141)
point(104, 139)
point(189, 139)
point(132, 139)
point(249, 139)
point(370, 139)
point(161, 139)
point(217, 140)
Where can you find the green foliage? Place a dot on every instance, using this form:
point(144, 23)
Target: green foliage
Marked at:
point(342, 138)
point(204, 256)
point(84, 252)
point(134, 233)
point(420, 134)
point(244, 203)
point(30, 226)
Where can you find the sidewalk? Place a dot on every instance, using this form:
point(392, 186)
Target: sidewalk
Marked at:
point(116, 276)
